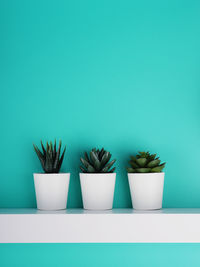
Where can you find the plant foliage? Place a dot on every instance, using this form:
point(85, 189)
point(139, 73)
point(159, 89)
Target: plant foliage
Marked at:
point(98, 161)
point(50, 158)
point(144, 162)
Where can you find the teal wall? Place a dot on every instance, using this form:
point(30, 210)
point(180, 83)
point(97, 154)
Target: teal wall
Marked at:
point(119, 74)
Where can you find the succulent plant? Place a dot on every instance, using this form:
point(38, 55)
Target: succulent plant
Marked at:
point(50, 158)
point(97, 162)
point(144, 162)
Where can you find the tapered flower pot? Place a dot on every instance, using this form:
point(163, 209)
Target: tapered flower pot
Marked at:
point(146, 190)
point(51, 190)
point(97, 190)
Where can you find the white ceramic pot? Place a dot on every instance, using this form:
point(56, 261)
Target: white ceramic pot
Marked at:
point(51, 190)
point(97, 190)
point(146, 190)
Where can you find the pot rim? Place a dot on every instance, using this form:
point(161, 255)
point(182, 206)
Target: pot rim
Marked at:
point(43, 173)
point(97, 173)
point(146, 173)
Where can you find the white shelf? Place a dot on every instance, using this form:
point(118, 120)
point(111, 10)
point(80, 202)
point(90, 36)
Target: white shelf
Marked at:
point(116, 226)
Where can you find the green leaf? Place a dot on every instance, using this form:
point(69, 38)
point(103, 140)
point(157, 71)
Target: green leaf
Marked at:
point(109, 165)
point(40, 156)
point(48, 163)
point(90, 169)
point(133, 158)
point(44, 151)
point(61, 160)
point(143, 170)
point(141, 162)
point(55, 166)
point(152, 157)
point(101, 153)
point(54, 151)
point(133, 164)
point(105, 159)
point(87, 165)
point(142, 155)
point(86, 157)
point(158, 168)
point(39, 153)
point(83, 170)
point(130, 170)
point(112, 170)
point(51, 151)
point(153, 163)
point(104, 170)
point(85, 162)
point(47, 148)
point(94, 159)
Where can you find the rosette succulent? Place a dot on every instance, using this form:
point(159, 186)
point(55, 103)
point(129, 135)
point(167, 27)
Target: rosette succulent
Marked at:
point(144, 162)
point(50, 158)
point(97, 161)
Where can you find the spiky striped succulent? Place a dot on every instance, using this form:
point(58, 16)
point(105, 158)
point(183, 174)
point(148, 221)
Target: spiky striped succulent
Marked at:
point(50, 158)
point(98, 161)
point(144, 162)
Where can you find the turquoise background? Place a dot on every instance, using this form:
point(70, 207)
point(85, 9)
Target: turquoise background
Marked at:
point(118, 74)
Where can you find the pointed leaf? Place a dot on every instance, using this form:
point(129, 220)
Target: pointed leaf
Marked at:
point(153, 163)
point(48, 163)
point(90, 169)
point(143, 170)
point(105, 159)
point(87, 165)
point(104, 170)
point(47, 148)
point(94, 159)
point(109, 165)
point(51, 151)
point(141, 162)
point(57, 156)
point(133, 164)
point(152, 157)
point(86, 157)
point(130, 170)
point(101, 153)
point(40, 156)
point(61, 160)
point(54, 150)
point(44, 151)
point(39, 153)
point(158, 168)
point(133, 158)
point(83, 170)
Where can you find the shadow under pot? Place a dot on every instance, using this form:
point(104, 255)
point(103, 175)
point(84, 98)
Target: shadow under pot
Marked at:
point(97, 190)
point(51, 190)
point(146, 190)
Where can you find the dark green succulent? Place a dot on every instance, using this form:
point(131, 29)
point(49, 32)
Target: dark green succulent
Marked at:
point(97, 162)
point(145, 162)
point(50, 157)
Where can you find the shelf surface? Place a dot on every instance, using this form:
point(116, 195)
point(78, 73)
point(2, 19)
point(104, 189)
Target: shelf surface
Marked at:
point(113, 226)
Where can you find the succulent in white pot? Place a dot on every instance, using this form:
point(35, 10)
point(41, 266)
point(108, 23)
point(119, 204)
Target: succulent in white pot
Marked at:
point(97, 180)
point(51, 187)
point(146, 181)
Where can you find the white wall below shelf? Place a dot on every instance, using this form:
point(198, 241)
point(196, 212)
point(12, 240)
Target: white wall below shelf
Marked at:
point(115, 226)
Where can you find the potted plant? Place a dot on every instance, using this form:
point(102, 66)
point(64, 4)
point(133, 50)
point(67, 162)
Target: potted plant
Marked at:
point(146, 181)
point(51, 187)
point(97, 180)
